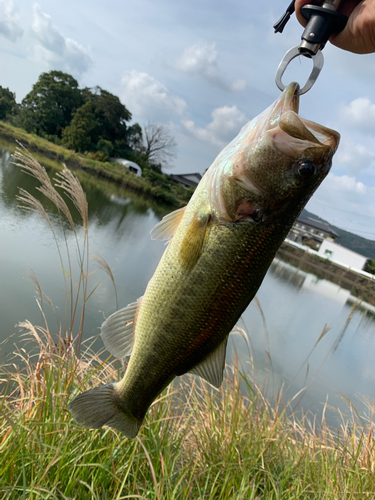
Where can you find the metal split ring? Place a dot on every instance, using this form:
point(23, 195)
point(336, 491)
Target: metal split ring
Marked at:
point(318, 61)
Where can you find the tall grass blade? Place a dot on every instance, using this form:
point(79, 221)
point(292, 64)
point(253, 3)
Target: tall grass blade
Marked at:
point(73, 189)
point(31, 203)
point(325, 330)
point(104, 266)
point(30, 165)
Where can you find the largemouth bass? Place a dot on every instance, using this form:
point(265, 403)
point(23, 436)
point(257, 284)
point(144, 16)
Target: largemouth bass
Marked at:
point(220, 248)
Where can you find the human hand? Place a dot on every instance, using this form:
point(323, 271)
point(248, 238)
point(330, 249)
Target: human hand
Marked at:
point(359, 34)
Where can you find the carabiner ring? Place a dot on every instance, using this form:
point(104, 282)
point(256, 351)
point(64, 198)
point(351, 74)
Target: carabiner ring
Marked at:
point(318, 61)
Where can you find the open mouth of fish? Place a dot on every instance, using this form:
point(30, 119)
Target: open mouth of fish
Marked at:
point(270, 151)
point(285, 132)
point(291, 133)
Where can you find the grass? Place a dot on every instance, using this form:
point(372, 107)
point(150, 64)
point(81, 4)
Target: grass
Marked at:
point(196, 443)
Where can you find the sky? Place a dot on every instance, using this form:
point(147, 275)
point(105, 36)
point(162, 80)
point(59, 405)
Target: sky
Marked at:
point(203, 68)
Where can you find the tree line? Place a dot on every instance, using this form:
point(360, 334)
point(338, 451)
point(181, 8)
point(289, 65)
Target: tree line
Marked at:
point(87, 120)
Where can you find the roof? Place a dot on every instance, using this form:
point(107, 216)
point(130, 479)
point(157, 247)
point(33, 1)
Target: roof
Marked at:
point(323, 226)
point(194, 176)
point(187, 179)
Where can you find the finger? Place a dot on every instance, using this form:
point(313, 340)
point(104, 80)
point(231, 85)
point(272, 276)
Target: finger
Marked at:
point(346, 8)
point(301, 3)
point(359, 33)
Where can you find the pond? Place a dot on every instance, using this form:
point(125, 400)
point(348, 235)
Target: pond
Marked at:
point(284, 324)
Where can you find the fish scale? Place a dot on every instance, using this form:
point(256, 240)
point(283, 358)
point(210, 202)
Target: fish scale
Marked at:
point(219, 250)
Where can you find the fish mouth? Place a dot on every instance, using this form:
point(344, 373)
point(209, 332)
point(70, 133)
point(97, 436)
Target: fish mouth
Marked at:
point(281, 130)
point(288, 101)
point(291, 133)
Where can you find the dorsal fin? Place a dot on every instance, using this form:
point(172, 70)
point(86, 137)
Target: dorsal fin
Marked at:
point(118, 330)
point(193, 241)
point(212, 367)
point(165, 229)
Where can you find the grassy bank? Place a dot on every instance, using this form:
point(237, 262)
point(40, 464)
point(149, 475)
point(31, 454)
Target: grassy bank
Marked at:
point(196, 443)
point(152, 185)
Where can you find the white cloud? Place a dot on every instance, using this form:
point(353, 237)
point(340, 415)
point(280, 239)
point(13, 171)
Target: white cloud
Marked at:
point(359, 114)
point(354, 157)
point(239, 86)
point(202, 59)
point(146, 97)
point(225, 125)
point(9, 22)
point(346, 184)
point(199, 58)
point(59, 52)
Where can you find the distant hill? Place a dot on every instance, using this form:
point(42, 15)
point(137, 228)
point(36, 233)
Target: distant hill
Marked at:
point(348, 240)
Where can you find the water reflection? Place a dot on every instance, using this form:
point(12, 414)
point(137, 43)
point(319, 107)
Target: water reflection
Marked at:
point(295, 277)
point(298, 307)
point(288, 274)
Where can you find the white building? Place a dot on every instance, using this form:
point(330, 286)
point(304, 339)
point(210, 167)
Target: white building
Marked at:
point(133, 167)
point(342, 255)
point(307, 230)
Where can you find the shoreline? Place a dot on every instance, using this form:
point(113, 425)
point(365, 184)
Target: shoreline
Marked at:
point(114, 172)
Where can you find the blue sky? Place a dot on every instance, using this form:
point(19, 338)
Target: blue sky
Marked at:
point(204, 69)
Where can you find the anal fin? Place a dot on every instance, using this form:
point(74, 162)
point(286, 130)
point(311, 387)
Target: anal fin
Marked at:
point(118, 330)
point(211, 368)
point(165, 229)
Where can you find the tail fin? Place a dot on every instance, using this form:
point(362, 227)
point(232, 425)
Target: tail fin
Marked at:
point(100, 406)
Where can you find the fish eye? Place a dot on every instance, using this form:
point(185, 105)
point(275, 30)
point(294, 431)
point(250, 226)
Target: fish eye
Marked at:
point(306, 169)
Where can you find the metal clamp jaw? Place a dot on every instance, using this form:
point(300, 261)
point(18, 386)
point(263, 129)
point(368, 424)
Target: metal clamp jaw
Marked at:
point(323, 21)
point(318, 61)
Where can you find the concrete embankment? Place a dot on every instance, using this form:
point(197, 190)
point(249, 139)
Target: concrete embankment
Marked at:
point(360, 284)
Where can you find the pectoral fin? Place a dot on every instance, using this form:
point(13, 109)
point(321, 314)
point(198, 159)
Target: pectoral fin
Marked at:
point(166, 228)
point(212, 367)
point(193, 241)
point(118, 330)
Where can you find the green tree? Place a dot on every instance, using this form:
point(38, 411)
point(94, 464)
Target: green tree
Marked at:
point(83, 132)
point(105, 147)
point(8, 105)
point(135, 137)
point(50, 105)
point(100, 124)
point(112, 114)
point(370, 266)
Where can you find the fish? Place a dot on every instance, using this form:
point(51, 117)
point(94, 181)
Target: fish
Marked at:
point(219, 249)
